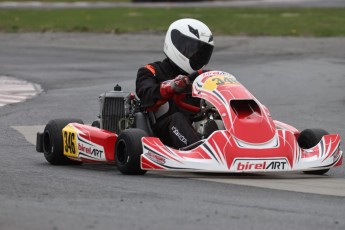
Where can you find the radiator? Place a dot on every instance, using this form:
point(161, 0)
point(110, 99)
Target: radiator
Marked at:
point(113, 111)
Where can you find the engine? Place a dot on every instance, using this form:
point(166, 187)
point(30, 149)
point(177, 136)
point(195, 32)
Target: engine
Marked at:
point(116, 110)
point(207, 120)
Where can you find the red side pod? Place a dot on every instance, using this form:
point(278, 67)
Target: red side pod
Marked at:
point(100, 137)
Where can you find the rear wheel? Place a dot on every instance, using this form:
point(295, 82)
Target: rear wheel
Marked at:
point(128, 149)
point(308, 138)
point(96, 123)
point(53, 143)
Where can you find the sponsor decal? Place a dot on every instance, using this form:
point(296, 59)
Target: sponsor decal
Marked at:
point(212, 73)
point(74, 145)
point(260, 165)
point(179, 135)
point(90, 150)
point(155, 157)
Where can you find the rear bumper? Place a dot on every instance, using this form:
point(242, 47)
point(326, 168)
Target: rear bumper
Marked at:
point(39, 142)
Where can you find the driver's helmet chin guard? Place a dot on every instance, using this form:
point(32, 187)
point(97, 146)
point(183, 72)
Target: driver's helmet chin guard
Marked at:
point(189, 44)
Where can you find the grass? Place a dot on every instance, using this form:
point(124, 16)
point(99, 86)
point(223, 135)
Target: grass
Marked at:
point(319, 22)
point(65, 0)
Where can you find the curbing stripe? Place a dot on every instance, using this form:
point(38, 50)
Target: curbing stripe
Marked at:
point(13, 90)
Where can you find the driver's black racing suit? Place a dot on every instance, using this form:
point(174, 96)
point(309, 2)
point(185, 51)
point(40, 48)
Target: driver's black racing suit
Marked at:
point(173, 124)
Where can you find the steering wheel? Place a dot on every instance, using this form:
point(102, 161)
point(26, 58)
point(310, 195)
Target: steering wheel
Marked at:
point(194, 75)
point(178, 98)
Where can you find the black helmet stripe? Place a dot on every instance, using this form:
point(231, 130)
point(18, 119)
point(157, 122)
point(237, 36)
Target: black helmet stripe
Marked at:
point(194, 31)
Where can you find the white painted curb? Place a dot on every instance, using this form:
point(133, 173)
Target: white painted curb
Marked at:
point(13, 90)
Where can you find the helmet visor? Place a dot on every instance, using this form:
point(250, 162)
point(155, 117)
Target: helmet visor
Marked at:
point(198, 52)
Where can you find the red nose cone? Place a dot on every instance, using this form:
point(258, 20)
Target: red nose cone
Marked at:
point(251, 124)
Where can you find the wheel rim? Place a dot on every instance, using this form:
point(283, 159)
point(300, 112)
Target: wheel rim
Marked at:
point(121, 152)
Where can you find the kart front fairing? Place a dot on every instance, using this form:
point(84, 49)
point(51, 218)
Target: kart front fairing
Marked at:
point(251, 140)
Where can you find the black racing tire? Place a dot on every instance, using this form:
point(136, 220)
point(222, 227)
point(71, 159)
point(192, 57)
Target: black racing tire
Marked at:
point(308, 138)
point(128, 149)
point(53, 143)
point(96, 123)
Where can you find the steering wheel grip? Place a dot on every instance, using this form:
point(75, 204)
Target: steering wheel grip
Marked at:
point(194, 75)
point(178, 99)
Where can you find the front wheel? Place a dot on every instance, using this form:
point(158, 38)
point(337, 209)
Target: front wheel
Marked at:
point(53, 143)
point(308, 138)
point(128, 149)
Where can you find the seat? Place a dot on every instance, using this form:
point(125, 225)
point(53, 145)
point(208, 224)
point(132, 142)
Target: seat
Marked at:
point(141, 121)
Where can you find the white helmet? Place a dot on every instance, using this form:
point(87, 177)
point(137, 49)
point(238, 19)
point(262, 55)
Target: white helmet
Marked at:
point(189, 44)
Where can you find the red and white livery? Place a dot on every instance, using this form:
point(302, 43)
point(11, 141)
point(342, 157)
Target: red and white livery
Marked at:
point(246, 138)
point(249, 141)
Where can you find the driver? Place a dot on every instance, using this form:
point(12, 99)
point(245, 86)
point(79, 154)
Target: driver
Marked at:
point(188, 46)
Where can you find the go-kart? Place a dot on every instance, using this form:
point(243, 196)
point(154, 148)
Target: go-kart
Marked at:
point(238, 135)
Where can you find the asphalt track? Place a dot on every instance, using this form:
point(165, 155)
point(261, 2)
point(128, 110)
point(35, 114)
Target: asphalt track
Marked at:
point(301, 81)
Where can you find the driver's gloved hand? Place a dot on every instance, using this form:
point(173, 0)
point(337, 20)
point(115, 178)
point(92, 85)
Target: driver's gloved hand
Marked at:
point(171, 87)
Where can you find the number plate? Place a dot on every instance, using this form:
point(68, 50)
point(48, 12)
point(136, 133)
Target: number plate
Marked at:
point(215, 81)
point(69, 137)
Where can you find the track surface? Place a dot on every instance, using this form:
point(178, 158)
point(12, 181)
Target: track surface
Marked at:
point(301, 81)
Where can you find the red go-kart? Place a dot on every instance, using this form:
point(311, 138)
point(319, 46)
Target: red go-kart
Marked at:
point(238, 135)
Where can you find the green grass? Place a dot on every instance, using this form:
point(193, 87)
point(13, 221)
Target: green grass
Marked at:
point(227, 21)
point(65, 0)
